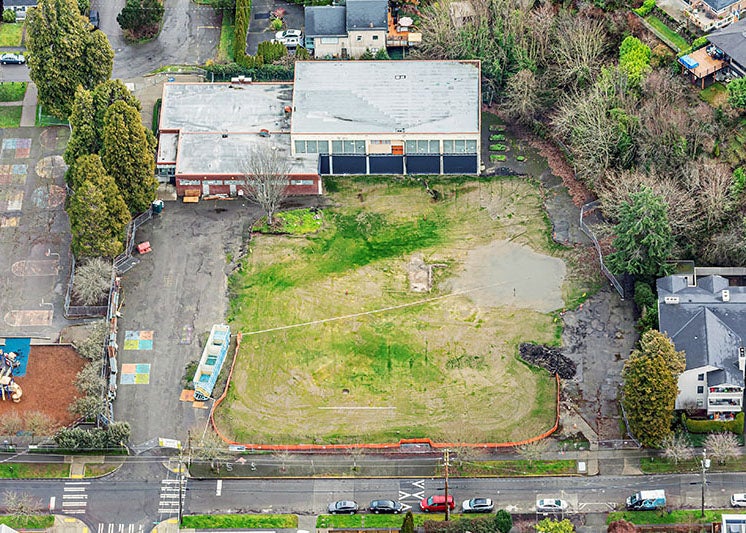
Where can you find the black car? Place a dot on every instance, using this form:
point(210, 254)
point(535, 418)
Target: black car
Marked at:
point(93, 17)
point(385, 506)
point(343, 507)
point(12, 59)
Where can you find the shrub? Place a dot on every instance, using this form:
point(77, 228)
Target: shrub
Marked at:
point(520, 158)
point(714, 426)
point(645, 9)
point(498, 157)
point(497, 137)
point(498, 147)
point(92, 281)
point(9, 16)
point(270, 51)
point(255, 72)
point(243, 15)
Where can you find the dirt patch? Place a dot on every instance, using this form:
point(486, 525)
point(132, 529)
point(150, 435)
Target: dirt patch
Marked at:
point(49, 384)
point(548, 358)
point(512, 275)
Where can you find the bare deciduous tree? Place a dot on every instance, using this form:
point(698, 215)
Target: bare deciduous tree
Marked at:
point(265, 178)
point(92, 280)
point(722, 446)
point(92, 346)
point(22, 505)
point(579, 44)
point(89, 380)
point(209, 447)
point(39, 424)
point(522, 96)
point(10, 425)
point(676, 448)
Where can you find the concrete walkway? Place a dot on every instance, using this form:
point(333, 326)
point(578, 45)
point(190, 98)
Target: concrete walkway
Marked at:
point(28, 115)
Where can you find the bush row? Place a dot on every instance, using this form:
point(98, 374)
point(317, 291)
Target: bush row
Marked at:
point(645, 9)
point(243, 16)
point(714, 426)
point(223, 72)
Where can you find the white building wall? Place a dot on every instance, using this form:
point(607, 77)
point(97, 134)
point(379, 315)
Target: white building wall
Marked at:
point(329, 46)
point(360, 41)
point(393, 138)
point(688, 383)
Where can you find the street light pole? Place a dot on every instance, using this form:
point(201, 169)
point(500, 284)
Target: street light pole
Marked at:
point(705, 463)
point(446, 464)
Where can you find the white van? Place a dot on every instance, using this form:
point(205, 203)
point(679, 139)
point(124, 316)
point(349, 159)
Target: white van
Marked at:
point(738, 500)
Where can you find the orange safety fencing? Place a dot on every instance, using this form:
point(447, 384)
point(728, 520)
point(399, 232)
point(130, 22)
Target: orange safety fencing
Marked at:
point(384, 446)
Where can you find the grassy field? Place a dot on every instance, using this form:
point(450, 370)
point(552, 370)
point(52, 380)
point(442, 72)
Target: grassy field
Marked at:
point(11, 34)
point(233, 521)
point(379, 521)
point(227, 32)
point(681, 516)
point(33, 470)
point(12, 91)
point(29, 522)
point(10, 116)
point(667, 32)
point(715, 95)
point(444, 368)
point(657, 465)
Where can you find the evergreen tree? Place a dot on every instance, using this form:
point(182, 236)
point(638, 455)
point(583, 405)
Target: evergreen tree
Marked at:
point(408, 524)
point(651, 386)
point(128, 155)
point(503, 521)
point(737, 93)
point(64, 54)
point(643, 240)
point(141, 16)
point(104, 95)
point(98, 214)
point(84, 137)
point(382, 54)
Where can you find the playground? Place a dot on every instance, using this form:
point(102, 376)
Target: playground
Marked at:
point(368, 359)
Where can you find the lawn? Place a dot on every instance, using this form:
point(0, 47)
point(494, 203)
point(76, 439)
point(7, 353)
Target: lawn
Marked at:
point(378, 521)
point(10, 116)
point(11, 34)
point(519, 467)
point(295, 222)
point(18, 523)
point(682, 516)
point(33, 470)
point(658, 465)
point(715, 95)
point(442, 368)
point(12, 91)
point(227, 32)
point(42, 119)
point(245, 521)
point(667, 32)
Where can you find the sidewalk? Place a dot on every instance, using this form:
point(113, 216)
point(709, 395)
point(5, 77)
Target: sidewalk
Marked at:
point(28, 115)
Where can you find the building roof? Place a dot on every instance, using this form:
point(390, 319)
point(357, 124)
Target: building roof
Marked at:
point(19, 3)
point(367, 14)
point(709, 330)
point(224, 107)
point(731, 39)
point(202, 154)
point(326, 21)
point(348, 97)
point(719, 5)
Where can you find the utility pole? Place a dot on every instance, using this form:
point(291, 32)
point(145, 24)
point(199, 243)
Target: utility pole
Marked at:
point(446, 464)
point(705, 463)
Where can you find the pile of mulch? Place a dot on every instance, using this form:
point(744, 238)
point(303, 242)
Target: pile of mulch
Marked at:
point(49, 384)
point(549, 358)
point(579, 193)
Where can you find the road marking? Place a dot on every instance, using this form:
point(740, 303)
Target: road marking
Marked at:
point(74, 497)
point(67, 483)
point(74, 511)
point(219, 488)
point(74, 504)
point(52, 501)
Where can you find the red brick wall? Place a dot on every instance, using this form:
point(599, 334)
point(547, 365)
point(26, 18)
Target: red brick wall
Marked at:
point(223, 187)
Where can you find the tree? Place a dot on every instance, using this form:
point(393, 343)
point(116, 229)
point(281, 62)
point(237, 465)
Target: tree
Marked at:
point(141, 17)
point(64, 54)
point(92, 280)
point(621, 526)
point(382, 54)
point(676, 448)
point(549, 525)
point(367, 55)
point(39, 424)
point(737, 93)
point(271, 52)
point(503, 521)
point(84, 137)
point(9, 15)
point(722, 446)
point(580, 44)
point(89, 380)
point(92, 346)
point(98, 214)
point(118, 434)
point(22, 506)
point(10, 425)
point(408, 524)
point(88, 407)
point(84, 6)
point(522, 96)
point(210, 447)
point(634, 58)
point(128, 155)
point(643, 240)
point(266, 179)
point(650, 388)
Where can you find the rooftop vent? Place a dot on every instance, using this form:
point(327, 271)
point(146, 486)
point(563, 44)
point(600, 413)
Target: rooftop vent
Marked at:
point(726, 295)
point(671, 300)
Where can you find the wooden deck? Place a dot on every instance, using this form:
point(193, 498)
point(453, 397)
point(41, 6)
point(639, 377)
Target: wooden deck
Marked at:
point(707, 64)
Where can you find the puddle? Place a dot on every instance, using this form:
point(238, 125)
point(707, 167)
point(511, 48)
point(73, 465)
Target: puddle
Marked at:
point(512, 275)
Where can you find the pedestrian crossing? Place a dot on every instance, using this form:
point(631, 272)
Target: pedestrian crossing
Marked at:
point(170, 493)
point(120, 528)
point(74, 497)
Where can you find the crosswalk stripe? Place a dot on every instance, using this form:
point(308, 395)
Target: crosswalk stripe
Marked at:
point(74, 489)
point(74, 511)
point(74, 497)
point(77, 483)
point(74, 504)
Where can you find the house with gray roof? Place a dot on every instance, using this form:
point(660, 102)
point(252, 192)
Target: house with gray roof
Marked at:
point(20, 7)
point(732, 42)
point(710, 15)
point(707, 321)
point(346, 31)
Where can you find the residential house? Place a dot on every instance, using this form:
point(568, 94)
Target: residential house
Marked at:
point(710, 15)
point(731, 41)
point(388, 117)
point(20, 7)
point(733, 523)
point(707, 321)
point(723, 59)
point(347, 31)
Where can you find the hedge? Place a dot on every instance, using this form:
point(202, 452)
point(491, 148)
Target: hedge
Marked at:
point(714, 426)
point(243, 16)
point(258, 73)
point(698, 43)
point(646, 7)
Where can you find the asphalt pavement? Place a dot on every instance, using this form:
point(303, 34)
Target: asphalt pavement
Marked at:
point(259, 25)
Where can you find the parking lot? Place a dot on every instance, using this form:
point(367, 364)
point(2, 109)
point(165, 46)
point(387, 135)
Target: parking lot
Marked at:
point(259, 26)
point(34, 232)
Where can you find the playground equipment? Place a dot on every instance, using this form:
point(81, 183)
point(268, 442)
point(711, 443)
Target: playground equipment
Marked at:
point(211, 362)
point(9, 389)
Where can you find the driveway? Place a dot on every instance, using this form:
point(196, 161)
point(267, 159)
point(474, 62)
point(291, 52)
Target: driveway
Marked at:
point(189, 36)
point(34, 232)
point(259, 25)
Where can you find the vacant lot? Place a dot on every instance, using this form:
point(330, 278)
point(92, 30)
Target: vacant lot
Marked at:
point(440, 364)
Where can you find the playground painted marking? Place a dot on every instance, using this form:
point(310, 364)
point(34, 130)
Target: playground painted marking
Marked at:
point(30, 267)
point(16, 148)
point(13, 174)
point(9, 222)
point(28, 318)
point(138, 340)
point(11, 200)
point(135, 374)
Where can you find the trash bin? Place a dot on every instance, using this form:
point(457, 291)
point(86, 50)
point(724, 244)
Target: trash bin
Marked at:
point(157, 207)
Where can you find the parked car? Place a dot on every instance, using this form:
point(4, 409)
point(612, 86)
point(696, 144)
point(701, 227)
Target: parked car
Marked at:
point(477, 505)
point(343, 507)
point(437, 503)
point(738, 500)
point(647, 500)
point(385, 506)
point(551, 506)
point(93, 18)
point(12, 59)
point(290, 38)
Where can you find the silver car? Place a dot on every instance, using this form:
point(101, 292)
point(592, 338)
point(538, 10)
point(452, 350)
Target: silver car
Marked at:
point(551, 506)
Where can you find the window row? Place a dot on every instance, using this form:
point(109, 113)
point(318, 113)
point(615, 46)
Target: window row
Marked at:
point(412, 147)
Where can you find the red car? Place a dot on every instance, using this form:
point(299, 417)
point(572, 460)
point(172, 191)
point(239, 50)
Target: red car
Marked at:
point(437, 503)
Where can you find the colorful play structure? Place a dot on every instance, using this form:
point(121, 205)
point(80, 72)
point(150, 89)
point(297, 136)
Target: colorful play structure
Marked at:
point(9, 389)
point(211, 362)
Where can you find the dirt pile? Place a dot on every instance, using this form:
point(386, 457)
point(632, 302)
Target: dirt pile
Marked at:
point(548, 358)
